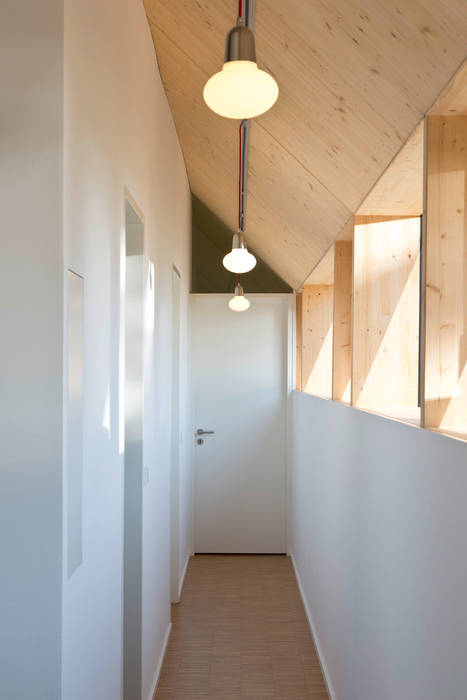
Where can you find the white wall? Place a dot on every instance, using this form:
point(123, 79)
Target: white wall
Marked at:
point(31, 283)
point(119, 134)
point(379, 533)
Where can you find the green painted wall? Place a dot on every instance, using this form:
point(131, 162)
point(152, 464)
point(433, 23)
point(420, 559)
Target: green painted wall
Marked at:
point(211, 240)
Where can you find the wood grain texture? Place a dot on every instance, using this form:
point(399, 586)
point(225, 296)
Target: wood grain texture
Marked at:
point(385, 333)
point(399, 191)
point(317, 332)
point(453, 99)
point(240, 631)
point(342, 336)
point(324, 270)
point(445, 351)
point(298, 339)
point(355, 79)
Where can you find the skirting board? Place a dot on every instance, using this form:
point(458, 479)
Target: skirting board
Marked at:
point(322, 661)
point(159, 663)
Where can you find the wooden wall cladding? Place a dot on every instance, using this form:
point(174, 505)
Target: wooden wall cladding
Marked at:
point(385, 337)
point(298, 339)
point(445, 349)
point(399, 191)
point(317, 332)
point(342, 336)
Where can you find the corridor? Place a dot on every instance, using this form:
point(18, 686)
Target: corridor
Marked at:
point(233, 258)
point(240, 631)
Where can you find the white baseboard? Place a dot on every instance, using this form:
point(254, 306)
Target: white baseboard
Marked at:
point(159, 663)
point(321, 658)
point(182, 577)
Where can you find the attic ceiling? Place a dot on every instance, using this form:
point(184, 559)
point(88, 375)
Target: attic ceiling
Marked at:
point(355, 80)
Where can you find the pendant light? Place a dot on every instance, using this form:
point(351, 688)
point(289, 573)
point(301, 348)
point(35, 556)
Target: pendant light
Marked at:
point(239, 302)
point(239, 260)
point(240, 90)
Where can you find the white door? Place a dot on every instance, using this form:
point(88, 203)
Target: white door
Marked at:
point(240, 393)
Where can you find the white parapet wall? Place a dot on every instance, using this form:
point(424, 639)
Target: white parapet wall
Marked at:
point(378, 538)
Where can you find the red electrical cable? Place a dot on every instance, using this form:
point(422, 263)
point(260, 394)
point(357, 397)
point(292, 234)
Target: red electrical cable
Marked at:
point(240, 8)
point(240, 178)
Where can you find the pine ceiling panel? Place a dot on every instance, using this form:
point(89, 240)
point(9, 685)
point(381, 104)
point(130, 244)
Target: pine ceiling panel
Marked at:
point(400, 188)
point(355, 79)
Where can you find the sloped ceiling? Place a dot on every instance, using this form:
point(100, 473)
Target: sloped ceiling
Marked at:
point(355, 79)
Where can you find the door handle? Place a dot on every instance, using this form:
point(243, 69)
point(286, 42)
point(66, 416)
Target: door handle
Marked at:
point(200, 431)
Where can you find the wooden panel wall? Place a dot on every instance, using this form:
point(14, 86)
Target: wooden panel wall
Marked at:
point(385, 342)
point(298, 340)
point(341, 374)
point(317, 310)
point(446, 274)
point(400, 189)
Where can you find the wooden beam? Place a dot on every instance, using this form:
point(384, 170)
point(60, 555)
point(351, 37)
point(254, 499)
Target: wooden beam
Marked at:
point(399, 191)
point(317, 310)
point(323, 273)
point(341, 371)
point(298, 339)
point(445, 346)
point(453, 99)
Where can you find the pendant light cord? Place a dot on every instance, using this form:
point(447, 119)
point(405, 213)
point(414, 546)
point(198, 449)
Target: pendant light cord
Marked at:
point(240, 178)
point(240, 8)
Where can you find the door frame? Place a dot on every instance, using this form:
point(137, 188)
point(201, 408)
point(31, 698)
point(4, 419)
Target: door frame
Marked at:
point(290, 386)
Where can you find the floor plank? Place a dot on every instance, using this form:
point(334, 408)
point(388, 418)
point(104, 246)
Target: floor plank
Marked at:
point(240, 631)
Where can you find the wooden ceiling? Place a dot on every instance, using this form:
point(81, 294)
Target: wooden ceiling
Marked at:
point(355, 78)
point(400, 188)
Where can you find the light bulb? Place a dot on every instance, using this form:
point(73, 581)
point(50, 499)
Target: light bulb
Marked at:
point(239, 302)
point(240, 90)
point(239, 260)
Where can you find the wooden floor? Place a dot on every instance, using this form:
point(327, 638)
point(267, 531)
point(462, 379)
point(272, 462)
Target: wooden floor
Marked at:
point(240, 631)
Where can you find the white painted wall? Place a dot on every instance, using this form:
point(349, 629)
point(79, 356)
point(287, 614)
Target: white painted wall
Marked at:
point(31, 283)
point(84, 116)
point(379, 533)
point(117, 132)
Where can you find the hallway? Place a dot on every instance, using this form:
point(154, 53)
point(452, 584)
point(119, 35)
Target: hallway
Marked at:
point(240, 631)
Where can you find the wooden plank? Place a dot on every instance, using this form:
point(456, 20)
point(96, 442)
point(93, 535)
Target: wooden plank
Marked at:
point(341, 370)
point(445, 352)
point(385, 334)
point(399, 191)
point(298, 339)
point(347, 232)
point(453, 100)
point(317, 329)
point(323, 273)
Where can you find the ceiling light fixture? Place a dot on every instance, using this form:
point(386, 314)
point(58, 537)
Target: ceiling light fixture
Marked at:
point(240, 90)
point(239, 302)
point(239, 260)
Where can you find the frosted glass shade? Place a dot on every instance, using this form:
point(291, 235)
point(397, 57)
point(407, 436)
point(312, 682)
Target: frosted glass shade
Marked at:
point(240, 90)
point(239, 303)
point(239, 260)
